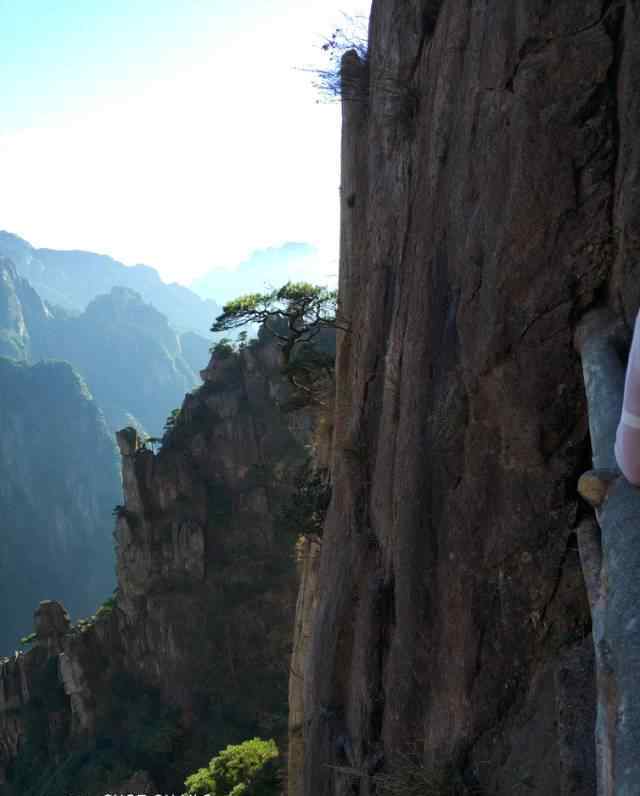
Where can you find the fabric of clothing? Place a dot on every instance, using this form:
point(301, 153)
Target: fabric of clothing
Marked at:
point(627, 448)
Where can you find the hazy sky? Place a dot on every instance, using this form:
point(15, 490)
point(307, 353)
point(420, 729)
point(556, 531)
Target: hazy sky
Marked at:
point(177, 133)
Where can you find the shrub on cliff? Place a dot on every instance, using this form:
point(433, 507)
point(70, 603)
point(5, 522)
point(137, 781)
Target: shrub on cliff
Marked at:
point(223, 349)
point(331, 80)
point(407, 776)
point(246, 769)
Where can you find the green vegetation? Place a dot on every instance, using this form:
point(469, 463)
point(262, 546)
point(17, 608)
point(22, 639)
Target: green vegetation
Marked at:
point(172, 420)
point(28, 640)
point(306, 309)
point(134, 731)
point(297, 314)
point(247, 769)
point(106, 608)
point(151, 443)
point(223, 349)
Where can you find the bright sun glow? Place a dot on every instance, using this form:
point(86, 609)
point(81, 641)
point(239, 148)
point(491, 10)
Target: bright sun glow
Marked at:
point(224, 151)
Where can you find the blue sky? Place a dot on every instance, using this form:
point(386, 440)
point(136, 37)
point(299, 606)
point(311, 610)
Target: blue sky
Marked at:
point(178, 133)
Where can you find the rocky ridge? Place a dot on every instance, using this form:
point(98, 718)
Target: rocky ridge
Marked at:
point(206, 596)
point(137, 366)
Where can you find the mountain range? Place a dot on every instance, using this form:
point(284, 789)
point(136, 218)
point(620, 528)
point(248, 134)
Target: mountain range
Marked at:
point(72, 279)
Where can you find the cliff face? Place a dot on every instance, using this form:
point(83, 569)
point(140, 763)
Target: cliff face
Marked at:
point(59, 482)
point(21, 313)
point(195, 652)
point(489, 197)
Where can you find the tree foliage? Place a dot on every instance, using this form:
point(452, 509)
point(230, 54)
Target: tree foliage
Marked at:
point(305, 308)
point(223, 349)
point(172, 419)
point(246, 769)
point(296, 314)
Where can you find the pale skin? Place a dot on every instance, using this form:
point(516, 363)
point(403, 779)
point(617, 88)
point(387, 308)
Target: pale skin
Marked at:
point(627, 448)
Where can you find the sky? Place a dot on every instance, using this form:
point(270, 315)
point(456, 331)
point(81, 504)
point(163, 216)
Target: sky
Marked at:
point(182, 134)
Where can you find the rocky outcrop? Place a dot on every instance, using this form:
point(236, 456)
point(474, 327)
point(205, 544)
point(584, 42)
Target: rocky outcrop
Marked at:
point(51, 624)
point(489, 190)
point(193, 653)
point(29, 678)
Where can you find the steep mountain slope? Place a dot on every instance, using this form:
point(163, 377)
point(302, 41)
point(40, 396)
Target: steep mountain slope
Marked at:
point(59, 481)
point(194, 654)
point(130, 357)
point(22, 313)
point(72, 279)
point(490, 190)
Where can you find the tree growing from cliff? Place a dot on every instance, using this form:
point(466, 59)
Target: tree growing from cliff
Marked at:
point(296, 315)
point(247, 769)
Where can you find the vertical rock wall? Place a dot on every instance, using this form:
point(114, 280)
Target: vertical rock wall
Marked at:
point(489, 196)
point(308, 556)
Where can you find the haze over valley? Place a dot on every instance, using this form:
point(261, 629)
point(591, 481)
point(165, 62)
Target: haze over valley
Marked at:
point(319, 383)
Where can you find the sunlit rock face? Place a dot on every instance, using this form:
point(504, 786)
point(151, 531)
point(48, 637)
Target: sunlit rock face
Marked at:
point(489, 197)
point(201, 628)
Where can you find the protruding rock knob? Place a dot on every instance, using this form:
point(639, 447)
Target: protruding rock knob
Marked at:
point(594, 485)
point(127, 440)
point(51, 620)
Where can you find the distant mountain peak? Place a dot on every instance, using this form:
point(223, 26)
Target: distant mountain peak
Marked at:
point(71, 279)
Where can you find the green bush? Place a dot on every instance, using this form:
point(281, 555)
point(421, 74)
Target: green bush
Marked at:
point(107, 607)
point(223, 349)
point(247, 769)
